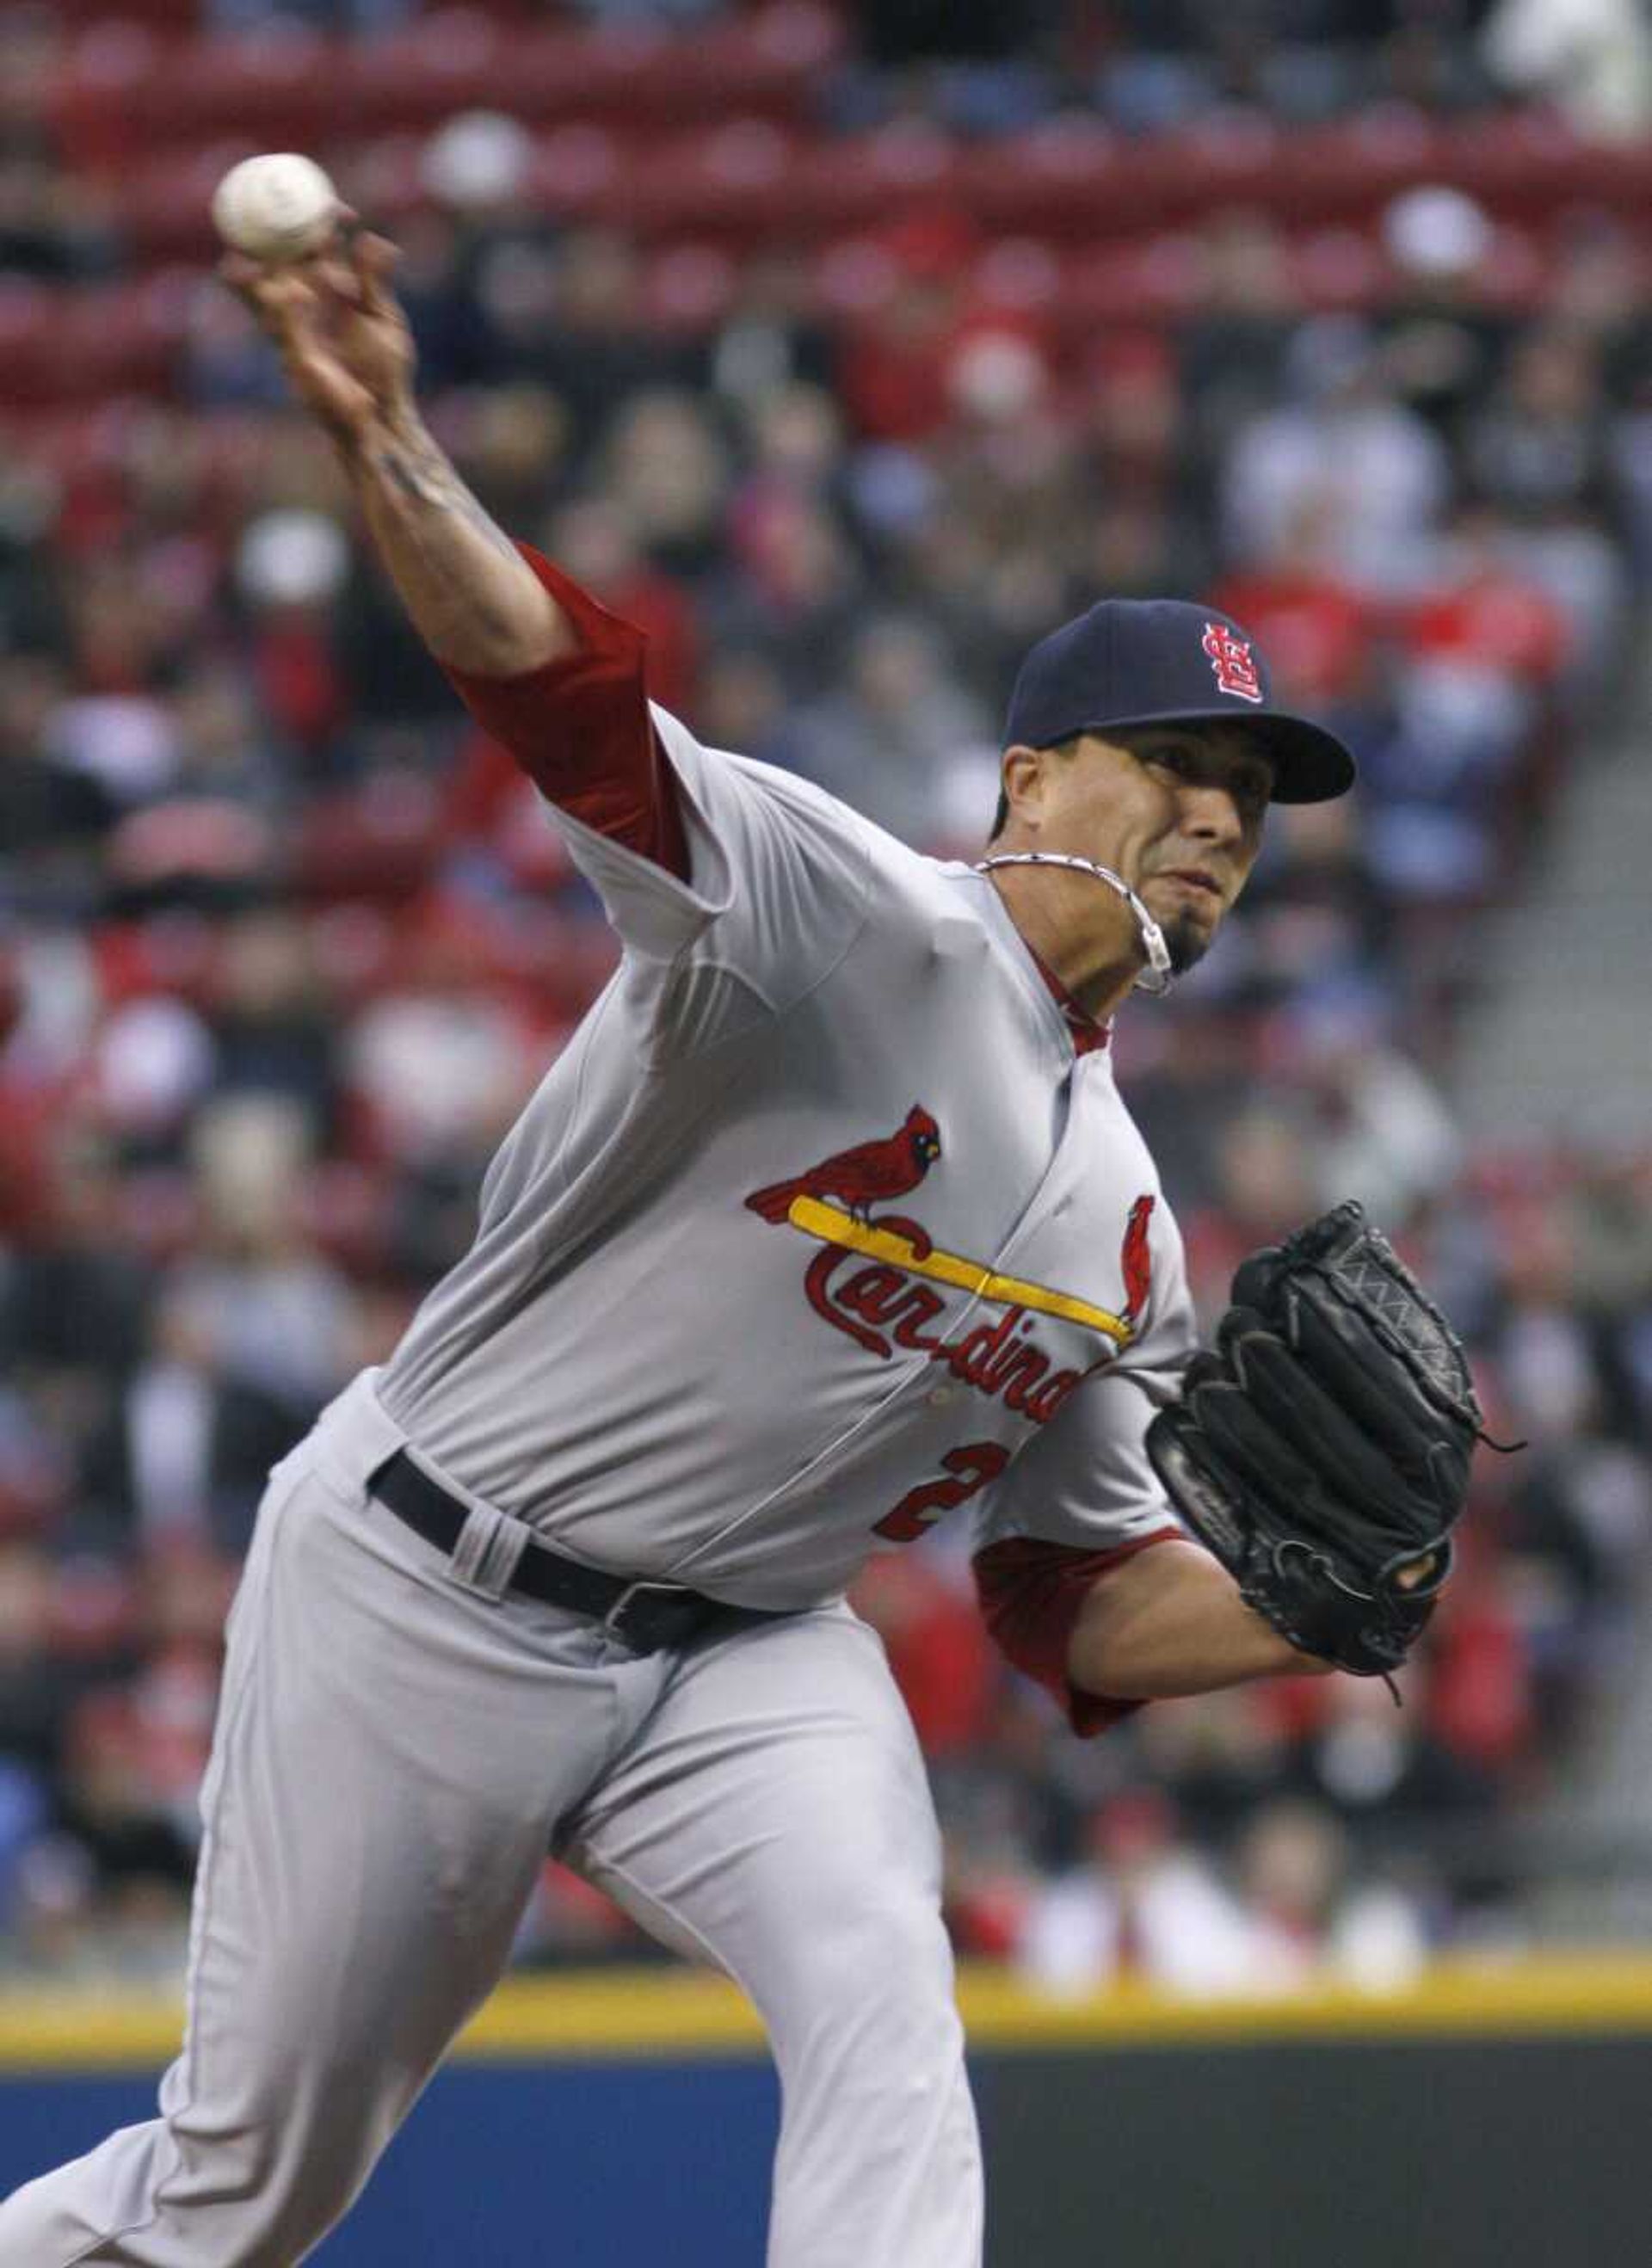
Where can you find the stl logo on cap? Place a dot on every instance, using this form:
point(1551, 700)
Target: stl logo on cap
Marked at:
point(1230, 659)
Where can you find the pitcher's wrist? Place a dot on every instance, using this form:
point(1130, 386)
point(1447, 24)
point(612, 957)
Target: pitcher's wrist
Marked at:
point(379, 428)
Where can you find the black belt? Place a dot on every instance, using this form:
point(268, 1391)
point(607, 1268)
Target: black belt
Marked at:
point(643, 1616)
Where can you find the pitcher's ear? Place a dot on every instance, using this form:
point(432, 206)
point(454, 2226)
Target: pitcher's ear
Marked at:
point(1021, 779)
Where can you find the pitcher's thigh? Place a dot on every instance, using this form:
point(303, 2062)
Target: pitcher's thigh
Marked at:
point(774, 1818)
point(375, 1823)
point(376, 1809)
point(775, 1797)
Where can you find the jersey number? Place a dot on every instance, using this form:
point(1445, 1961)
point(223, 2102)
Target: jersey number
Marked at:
point(971, 1467)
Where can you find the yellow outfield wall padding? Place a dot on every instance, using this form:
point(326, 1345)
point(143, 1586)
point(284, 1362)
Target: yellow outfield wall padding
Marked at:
point(665, 2013)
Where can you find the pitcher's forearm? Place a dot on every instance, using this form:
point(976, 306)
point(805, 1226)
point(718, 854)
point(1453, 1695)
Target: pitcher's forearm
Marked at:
point(472, 597)
point(1170, 1621)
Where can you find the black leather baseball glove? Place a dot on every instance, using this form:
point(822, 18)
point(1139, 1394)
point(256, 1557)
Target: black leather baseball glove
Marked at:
point(1322, 1450)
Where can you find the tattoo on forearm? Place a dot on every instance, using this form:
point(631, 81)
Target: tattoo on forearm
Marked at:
point(473, 610)
point(422, 475)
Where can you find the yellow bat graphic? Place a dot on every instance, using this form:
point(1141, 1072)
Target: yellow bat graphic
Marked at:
point(833, 1226)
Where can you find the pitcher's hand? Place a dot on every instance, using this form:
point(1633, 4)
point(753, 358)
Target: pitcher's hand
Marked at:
point(344, 342)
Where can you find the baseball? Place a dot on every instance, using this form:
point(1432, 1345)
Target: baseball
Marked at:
point(275, 209)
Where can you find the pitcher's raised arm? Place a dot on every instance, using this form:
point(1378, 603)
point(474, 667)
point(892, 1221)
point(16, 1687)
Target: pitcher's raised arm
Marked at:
point(349, 356)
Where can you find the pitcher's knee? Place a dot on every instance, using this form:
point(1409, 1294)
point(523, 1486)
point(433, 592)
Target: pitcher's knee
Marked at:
point(272, 2168)
point(184, 2186)
point(873, 1971)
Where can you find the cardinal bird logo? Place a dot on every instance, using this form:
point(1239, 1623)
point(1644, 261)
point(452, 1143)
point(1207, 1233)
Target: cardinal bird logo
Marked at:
point(1137, 1259)
point(873, 1173)
point(883, 1282)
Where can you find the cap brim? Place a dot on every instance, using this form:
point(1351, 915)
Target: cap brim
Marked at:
point(1310, 765)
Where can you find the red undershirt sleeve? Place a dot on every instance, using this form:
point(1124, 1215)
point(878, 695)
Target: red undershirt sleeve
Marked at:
point(1030, 1595)
point(580, 729)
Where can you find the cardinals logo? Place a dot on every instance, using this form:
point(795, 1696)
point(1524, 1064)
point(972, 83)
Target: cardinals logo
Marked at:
point(886, 1303)
point(872, 1173)
point(1230, 659)
point(1136, 1260)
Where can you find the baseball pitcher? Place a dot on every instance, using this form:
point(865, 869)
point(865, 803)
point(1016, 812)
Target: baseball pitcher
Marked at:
point(828, 1223)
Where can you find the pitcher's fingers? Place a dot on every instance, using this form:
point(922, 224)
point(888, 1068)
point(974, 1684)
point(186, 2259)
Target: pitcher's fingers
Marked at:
point(280, 298)
point(296, 323)
point(243, 276)
point(293, 322)
point(335, 272)
point(374, 257)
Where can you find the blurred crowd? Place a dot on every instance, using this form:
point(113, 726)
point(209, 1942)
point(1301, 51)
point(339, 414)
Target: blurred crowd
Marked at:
point(285, 944)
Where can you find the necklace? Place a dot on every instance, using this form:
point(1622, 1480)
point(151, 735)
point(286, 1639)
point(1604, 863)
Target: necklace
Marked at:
point(1155, 977)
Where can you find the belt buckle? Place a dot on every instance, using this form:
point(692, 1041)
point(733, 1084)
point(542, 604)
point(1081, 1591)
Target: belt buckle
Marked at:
point(616, 1620)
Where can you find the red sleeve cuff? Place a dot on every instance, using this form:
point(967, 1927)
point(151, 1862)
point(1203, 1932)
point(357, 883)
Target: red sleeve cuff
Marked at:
point(579, 728)
point(1030, 1595)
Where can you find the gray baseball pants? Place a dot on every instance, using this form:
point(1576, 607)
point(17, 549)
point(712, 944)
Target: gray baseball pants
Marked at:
point(393, 1753)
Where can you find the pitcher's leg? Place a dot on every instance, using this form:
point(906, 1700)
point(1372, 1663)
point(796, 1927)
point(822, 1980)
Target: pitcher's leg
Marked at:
point(383, 1777)
point(774, 1815)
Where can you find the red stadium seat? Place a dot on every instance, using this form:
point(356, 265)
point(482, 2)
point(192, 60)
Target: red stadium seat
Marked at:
point(1054, 180)
point(1231, 158)
point(574, 169)
point(1020, 275)
point(731, 180)
point(690, 287)
point(356, 942)
point(834, 187)
point(28, 342)
point(383, 179)
point(126, 83)
point(281, 91)
point(764, 64)
point(95, 105)
point(454, 60)
point(167, 203)
point(1349, 171)
point(627, 74)
point(126, 340)
point(166, 15)
point(85, 342)
point(1338, 270)
point(378, 841)
point(169, 953)
point(1526, 164)
point(1153, 281)
point(1515, 274)
point(853, 277)
point(344, 1207)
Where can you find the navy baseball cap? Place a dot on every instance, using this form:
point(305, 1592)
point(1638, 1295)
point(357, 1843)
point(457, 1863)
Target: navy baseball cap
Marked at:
point(1163, 661)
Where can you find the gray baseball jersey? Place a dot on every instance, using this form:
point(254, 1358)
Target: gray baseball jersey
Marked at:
point(815, 1225)
point(823, 1225)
